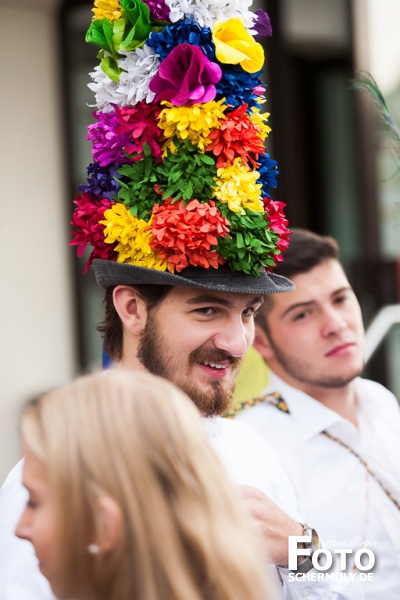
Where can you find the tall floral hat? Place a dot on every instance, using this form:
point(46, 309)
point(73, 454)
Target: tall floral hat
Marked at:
point(179, 188)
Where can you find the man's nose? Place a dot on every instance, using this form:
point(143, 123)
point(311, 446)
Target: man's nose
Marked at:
point(235, 338)
point(333, 322)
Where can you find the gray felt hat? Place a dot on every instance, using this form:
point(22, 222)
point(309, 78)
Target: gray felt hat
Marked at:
point(109, 273)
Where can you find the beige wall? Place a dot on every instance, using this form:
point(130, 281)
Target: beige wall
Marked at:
point(36, 330)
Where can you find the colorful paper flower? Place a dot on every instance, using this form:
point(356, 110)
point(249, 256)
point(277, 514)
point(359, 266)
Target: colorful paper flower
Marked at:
point(137, 70)
point(191, 122)
point(107, 9)
point(140, 123)
point(131, 238)
point(262, 24)
point(90, 232)
point(159, 11)
point(236, 137)
point(251, 244)
point(108, 145)
point(234, 45)
point(279, 224)
point(183, 32)
point(206, 12)
point(236, 186)
point(186, 76)
point(186, 173)
point(259, 121)
point(101, 182)
point(268, 170)
point(239, 87)
point(188, 235)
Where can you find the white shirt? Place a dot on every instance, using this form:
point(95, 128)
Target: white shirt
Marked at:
point(249, 461)
point(335, 495)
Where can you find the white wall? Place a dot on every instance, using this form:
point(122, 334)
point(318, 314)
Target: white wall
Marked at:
point(36, 323)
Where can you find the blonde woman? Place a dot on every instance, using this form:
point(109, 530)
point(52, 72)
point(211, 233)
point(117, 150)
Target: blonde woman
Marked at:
point(127, 501)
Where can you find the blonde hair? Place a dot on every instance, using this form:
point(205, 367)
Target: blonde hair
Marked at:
point(136, 438)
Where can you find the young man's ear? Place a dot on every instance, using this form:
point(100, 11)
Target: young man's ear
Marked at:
point(131, 308)
point(108, 517)
point(261, 343)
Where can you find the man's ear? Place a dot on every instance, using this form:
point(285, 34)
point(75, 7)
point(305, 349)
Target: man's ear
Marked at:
point(261, 343)
point(131, 308)
point(109, 524)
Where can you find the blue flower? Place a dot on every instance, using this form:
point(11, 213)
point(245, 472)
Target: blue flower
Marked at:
point(268, 170)
point(183, 32)
point(237, 86)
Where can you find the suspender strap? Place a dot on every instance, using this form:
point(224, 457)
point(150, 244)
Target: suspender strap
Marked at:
point(276, 400)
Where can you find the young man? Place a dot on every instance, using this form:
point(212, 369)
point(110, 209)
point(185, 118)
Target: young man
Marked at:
point(337, 435)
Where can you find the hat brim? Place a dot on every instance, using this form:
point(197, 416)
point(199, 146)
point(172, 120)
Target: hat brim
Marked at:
point(109, 274)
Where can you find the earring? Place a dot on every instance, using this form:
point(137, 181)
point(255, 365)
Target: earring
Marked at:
point(93, 549)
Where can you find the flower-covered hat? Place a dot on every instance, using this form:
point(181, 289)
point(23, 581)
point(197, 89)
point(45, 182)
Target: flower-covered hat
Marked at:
point(178, 192)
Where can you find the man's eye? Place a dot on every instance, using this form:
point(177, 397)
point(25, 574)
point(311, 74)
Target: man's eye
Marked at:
point(300, 316)
point(249, 312)
point(206, 310)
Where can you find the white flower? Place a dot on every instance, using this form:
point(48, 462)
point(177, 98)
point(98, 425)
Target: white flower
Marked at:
point(139, 68)
point(105, 90)
point(207, 12)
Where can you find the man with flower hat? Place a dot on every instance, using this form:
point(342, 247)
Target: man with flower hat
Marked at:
point(184, 234)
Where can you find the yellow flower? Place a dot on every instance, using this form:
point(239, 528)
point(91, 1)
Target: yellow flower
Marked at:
point(106, 9)
point(190, 122)
point(133, 236)
point(259, 121)
point(237, 187)
point(234, 45)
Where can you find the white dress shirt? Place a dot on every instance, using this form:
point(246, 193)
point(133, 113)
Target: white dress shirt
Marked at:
point(249, 461)
point(336, 496)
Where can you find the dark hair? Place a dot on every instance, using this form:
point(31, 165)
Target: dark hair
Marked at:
point(111, 326)
point(306, 250)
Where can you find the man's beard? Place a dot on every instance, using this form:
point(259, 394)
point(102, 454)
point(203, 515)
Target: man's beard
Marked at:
point(297, 370)
point(154, 356)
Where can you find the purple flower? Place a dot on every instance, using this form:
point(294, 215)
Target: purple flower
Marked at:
point(101, 181)
point(159, 11)
point(262, 25)
point(107, 144)
point(186, 76)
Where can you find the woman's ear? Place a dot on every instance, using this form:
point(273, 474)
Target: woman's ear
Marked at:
point(130, 308)
point(261, 343)
point(109, 524)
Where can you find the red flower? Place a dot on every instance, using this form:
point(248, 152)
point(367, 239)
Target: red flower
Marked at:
point(140, 122)
point(237, 136)
point(278, 223)
point(88, 213)
point(186, 235)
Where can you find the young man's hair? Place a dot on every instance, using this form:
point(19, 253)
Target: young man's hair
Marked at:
point(137, 440)
point(306, 250)
point(111, 326)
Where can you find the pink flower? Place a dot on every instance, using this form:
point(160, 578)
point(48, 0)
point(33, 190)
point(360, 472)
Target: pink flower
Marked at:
point(186, 76)
point(88, 213)
point(140, 123)
point(278, 223)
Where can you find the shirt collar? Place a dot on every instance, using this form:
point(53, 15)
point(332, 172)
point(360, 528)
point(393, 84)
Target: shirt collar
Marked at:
point(311, 417)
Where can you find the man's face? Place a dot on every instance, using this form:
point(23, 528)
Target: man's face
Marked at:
point(315, 333)
point(197, 339)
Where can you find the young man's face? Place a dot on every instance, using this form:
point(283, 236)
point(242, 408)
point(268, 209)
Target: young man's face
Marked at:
point(197, 339)
point(315, 333)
